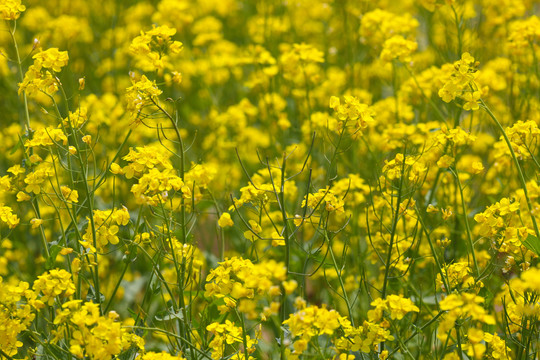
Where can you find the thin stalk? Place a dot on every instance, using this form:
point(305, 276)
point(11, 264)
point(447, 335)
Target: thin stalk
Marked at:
point(244, 337)
point(458, 335)
point(458, 28)
point(437, 262)
point(172, 335)
point(5, 355)
point(467, 226)
point(516, 162)
point(21, 76)
point(181, 154)
point(338, 272)
point(85, 188)
point(394, 228)
point(35, 203)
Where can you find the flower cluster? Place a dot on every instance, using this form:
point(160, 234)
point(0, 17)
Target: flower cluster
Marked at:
point(239, 282)
point(104, 229)
point(17, 312)
point(8, 217)
point(41, 76)
point(304, 179)
point(152, 48)
point(461, 83)
point(397, 47)
point(353, 111)
point(55, 283)
point(396, 305)
point(143, 93)
point(325, 199)
point(11, 9)
point(231, 335)
point(93, 336)
point(311, 322)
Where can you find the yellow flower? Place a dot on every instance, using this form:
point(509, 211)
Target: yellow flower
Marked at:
point(447, 213)
point(11, 9)
point(52, 284)
point(478, 167)
point(36, 223)
point(35, 158)
point(397, 47)
point(471, 100)
point(116, 169)
point(69, 195)
point(51, 59)
point(445, 161)
point(277, 240)
point(7, 216)
point(16, 170)
point(22, 196)
point(225, 220)
point(290, 286)
point(66, 251)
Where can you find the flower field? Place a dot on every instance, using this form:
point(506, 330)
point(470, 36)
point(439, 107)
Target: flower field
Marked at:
point(301, 179)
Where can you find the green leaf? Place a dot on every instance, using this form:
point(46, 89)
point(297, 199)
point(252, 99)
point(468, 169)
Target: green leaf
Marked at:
point(16, 147)
point(169, 314)
point(532, 243)
point(53, 253)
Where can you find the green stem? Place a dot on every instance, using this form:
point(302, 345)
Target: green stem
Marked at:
point(458, 335)
point(85, 186)
point(458, 28)
point(516, 162)
point(28, 131)
point(172, 335)
point(5, 355)
point(244, 337)
point(465, 217)
point(394, 228)
point(21, 77)
point(338, 273)
point(437, 262)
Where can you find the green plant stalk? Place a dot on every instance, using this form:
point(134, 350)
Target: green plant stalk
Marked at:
point(5, 355)
point(116, 287)
point(338, 272)
point(459, 34)
point(395, 90)
point(155, 266)
point(458, 335)
point(72, 214)
point(401, 343)
point(284, 215)
point(437, 262)
point(182, 216)
point(394, 228)
point(308, 102)
point(35, 206)
point(431, 102)
point(329, 174)
point(179, 272)
point(85, 187)
point(244, 337)
point(21, 76)
point(467, 226)
point(172, 335)
point(281, 202)
point(417, 331)
point(26, 123)
point(516, 162)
